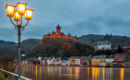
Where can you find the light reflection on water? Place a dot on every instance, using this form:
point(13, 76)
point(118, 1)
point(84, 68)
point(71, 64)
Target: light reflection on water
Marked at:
point(103, 74)
point(122, 74)
point(95, 73)
point(77, 72)
point(74, 73)
point(36, 73)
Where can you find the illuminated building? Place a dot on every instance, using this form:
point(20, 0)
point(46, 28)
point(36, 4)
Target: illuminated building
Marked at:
point(58, 34)
point(95, 61)
point(74, 61)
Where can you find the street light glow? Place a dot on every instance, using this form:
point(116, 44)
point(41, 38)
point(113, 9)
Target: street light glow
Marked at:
point(10, 10)
point(21, 8)
point(28, 14)
point(17, 17)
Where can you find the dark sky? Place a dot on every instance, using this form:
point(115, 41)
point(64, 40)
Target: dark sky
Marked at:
point(78, 17)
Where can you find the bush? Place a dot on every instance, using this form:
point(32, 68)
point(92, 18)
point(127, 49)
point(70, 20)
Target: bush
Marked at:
point(2, 77)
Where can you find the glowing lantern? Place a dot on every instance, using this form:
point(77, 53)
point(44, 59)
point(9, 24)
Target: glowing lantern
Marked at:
point(21, 8)
point(28, 14)
point(17, 17)
point(10, 10)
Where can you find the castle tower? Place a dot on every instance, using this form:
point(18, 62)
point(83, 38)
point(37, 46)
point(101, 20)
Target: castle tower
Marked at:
point(58, 28)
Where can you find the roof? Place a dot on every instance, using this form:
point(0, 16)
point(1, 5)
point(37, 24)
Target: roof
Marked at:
point(103, 42)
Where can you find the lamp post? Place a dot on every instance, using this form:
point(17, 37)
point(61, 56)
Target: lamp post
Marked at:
point(17, 12)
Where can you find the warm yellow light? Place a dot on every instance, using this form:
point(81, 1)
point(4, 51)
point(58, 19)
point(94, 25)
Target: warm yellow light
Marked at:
point(21, 8)
point(17, 17)
point(28, 14)
point(9, 10)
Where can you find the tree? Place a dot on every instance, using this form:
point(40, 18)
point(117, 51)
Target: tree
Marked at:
point(119, 50)
point(7, 62)
point(62, 47)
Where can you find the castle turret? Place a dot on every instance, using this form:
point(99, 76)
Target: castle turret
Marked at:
point(58, 28)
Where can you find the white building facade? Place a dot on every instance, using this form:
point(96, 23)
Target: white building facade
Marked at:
point(102, 45)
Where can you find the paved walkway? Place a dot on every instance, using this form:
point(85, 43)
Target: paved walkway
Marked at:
point(22, 77)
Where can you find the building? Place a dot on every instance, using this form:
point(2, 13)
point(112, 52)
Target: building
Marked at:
point(109, 62)
point(95, 61)
point(85, 61)
point(74, 61)
point(102, 45)
point(58, 34)
point(57, 61)
point(120, 59)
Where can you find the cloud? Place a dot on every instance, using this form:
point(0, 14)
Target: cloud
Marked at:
point(78, 17)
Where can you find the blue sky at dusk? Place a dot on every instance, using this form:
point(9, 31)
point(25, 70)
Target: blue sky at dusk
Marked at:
point(78, 17)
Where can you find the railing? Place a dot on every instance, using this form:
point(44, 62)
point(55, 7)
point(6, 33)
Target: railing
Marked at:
point(15, 75)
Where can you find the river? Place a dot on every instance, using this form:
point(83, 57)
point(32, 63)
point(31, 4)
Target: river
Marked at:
point(75, 73)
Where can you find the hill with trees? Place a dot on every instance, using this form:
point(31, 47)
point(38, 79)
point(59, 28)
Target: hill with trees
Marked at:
point(114, 39)
point(10, 48)
point(62, 47)
point(5, 43)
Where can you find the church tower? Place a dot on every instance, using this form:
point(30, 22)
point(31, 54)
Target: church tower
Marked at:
point(58, 28)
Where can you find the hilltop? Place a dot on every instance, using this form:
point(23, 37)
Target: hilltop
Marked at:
point(114, 39)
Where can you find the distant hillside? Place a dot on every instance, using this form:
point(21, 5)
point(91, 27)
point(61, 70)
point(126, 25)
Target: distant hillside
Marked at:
point(30, 43)
point(7, 47)
point(10, 50)
point(6, 43)
point(62, 47)
point(115, 40)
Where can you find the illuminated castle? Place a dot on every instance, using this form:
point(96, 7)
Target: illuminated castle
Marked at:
point(58, 34)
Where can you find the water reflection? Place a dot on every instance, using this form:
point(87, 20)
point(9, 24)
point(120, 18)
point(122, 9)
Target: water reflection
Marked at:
point(45, 73)
point(103, 74)
point(52, 73)
point(37, 72)
point(88, 72)
point(70, 70)
point(59, 72)
point(77, 72)
point(40, 71)
point(95, 73)
point(122, 74)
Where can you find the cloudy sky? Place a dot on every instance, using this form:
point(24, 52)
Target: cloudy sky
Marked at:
point(78, 17)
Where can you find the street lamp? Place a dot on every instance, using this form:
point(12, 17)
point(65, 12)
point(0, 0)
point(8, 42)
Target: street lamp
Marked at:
point(17, 12)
